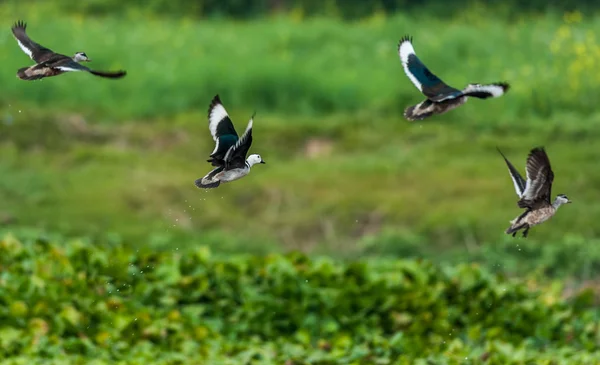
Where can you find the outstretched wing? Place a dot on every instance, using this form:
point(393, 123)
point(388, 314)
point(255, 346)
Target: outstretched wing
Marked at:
point(109, 74)
point(35, 51)
point(486, 91)
point(517, 179)
point(236, 156)
point(222, 130)
point(428, 83)
point(539, 180)
point(68, 65)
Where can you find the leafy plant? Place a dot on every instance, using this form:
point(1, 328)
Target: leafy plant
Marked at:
point(74, 300)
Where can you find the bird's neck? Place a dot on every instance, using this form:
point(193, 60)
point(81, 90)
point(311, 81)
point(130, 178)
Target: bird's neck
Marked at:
point(557, 203)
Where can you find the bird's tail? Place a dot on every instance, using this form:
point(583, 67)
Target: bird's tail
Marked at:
point(420, 111)
point(26, 74)
point(515, 227)
point(110, 75)
point(207, 184)
point(211, 180)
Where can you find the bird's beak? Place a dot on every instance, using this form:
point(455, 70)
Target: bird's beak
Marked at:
point(569, 202)
point(263, 162)
point(88, 60)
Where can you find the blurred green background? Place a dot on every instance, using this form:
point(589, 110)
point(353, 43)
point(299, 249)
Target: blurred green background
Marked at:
point(97, 185)
point(347, 175)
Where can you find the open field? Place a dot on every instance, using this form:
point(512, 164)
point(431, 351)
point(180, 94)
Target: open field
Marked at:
point(346, 173)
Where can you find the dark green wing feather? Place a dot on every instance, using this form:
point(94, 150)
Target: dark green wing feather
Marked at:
point(222, 130)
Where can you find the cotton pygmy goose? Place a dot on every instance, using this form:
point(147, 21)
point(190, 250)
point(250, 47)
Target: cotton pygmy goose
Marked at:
point(49, 63)
point(440, 97)
point(229, 155)
point(534, 192)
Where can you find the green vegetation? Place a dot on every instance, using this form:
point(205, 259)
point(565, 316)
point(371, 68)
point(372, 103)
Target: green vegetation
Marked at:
point(170, 274)
point(70, 301)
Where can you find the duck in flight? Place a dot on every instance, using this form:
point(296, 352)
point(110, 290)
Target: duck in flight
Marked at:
point(229, 155)
point(440, 97)
point(49, 63)
point(534, 192)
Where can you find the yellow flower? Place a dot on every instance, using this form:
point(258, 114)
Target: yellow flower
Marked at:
point(573, 17)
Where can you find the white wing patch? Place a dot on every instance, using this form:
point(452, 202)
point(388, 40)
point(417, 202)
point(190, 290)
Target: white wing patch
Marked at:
point(494, 90)
point(404, 51)
point(217, 114)
point(527, 192)
point(67, 69)
point(216, 146)
point(27, 51)
point(517, 187)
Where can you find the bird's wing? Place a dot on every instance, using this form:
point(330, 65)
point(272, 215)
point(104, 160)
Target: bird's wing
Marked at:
point(236, 155)
point(109, 74)
point(66, 64)
point(539, 179)
point(486, 91)
point(221, 128)
point(517, 179)
point(428, 83)
point(35, 51)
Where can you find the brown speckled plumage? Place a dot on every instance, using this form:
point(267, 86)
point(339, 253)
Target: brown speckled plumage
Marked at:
point(534, 193)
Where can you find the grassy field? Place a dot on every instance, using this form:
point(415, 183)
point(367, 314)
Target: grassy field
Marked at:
point(346, 174)
point(73, 302)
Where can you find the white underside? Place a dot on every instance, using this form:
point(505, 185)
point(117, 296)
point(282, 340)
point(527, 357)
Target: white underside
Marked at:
point(231, 175)
point(227, 176)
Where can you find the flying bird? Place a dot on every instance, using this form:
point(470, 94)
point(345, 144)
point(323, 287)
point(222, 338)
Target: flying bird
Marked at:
point(49, 63)
point(229, 155)
point(534, 192)
point(440, 97)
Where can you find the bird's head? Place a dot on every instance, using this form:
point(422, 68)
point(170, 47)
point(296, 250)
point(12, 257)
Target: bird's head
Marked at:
point(81, 57)
point(562, 199)
point(255, 159)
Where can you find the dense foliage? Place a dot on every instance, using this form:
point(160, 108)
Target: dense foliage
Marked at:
point(73, 300)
